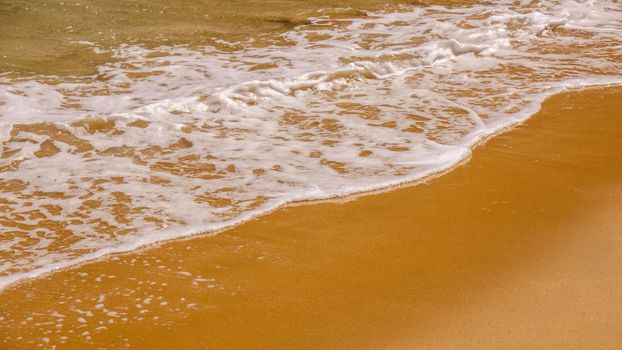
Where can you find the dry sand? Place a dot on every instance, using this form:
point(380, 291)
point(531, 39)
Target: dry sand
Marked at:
point(520, 248)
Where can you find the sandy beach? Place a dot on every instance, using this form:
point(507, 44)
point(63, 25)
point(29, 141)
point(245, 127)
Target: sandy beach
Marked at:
point(311, 174)
point(518, 248)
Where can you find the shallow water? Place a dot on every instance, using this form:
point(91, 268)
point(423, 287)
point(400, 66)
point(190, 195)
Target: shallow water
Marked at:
point(198, 119)
point(50, 37)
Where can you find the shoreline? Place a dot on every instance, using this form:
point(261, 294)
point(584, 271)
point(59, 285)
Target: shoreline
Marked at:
point(566, 86)
point(493, 253)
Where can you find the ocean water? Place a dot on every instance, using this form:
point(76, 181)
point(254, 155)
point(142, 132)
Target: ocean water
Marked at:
point(121, 143)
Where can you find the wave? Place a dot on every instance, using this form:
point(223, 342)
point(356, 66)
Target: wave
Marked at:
point(170, 142)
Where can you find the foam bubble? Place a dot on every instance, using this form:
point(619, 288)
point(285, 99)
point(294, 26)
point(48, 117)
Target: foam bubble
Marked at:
point(176, 141)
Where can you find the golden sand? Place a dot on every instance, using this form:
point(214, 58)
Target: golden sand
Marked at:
point(520, 248)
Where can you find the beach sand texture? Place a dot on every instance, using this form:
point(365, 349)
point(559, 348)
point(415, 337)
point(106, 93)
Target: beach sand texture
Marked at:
point(316, 174)
point(519, 248)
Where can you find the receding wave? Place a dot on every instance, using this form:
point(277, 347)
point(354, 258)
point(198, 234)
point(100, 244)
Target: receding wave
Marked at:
point(175, 141)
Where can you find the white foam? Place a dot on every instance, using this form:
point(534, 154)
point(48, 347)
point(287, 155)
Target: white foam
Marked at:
point(414, 101)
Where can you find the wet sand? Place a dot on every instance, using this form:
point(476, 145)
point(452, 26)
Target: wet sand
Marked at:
point(520, 248)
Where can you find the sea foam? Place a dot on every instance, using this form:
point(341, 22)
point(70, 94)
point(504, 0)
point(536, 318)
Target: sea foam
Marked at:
point(176, 141)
